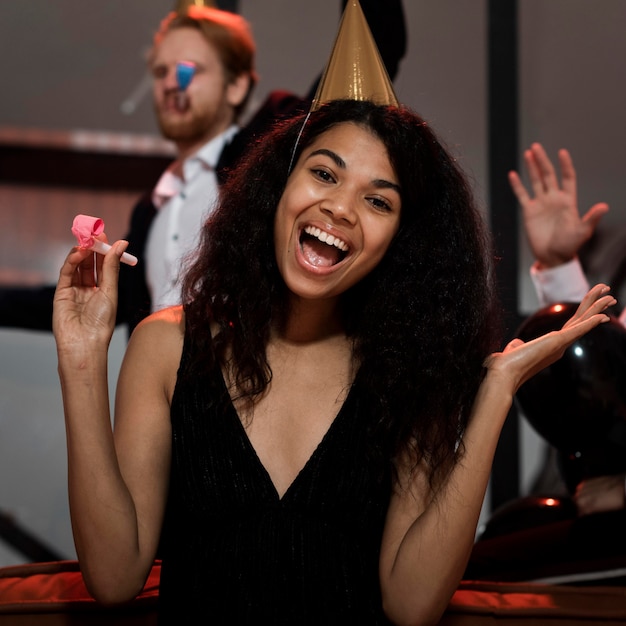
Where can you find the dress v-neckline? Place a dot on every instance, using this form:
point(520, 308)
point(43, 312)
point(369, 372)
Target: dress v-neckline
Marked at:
point(257, 459)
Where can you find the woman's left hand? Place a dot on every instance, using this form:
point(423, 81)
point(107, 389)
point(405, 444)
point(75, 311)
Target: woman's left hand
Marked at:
point(519, 361)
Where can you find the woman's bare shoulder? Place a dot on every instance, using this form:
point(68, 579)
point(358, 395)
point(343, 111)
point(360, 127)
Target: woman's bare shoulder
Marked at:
point(160, 334)
point(169, 320)
point(154, 351)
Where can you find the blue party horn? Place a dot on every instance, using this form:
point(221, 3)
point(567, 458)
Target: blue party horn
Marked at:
point(184, 73)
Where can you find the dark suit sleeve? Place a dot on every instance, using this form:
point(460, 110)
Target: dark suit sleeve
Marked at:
point(28, 308)
point(277, 106)
point(387, 23)
point(133, 294)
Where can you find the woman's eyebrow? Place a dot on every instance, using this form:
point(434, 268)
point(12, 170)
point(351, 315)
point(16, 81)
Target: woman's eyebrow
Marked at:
point(386, 184)
point(379, 182)
point(330, 154)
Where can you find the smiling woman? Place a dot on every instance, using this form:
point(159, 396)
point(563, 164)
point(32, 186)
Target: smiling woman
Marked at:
point(344, 190)
point(308, 435)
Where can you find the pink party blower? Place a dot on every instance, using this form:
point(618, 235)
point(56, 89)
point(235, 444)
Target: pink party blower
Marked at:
point(87, 228)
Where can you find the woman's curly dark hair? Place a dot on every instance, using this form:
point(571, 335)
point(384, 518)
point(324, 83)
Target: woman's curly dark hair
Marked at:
point(421, 323)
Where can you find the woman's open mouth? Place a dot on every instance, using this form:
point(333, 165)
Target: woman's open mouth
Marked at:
point(321, 249)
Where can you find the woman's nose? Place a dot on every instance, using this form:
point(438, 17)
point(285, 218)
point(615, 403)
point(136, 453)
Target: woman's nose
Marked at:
point(340, 206)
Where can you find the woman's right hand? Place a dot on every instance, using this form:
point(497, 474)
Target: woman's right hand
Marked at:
point(85, 300)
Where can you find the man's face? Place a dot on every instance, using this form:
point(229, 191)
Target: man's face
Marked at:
point(208, 108)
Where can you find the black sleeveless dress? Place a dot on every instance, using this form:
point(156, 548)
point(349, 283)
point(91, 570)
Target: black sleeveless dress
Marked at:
point(235, 553)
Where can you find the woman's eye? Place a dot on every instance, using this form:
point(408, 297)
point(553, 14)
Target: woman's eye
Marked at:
point(323, 175)
point(380, 204)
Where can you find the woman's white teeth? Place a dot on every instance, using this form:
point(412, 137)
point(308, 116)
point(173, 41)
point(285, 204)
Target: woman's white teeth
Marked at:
point(324, 237)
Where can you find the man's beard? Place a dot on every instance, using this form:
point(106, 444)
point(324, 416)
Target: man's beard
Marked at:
point(187, 130)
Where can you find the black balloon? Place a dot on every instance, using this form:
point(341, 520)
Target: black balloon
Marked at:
point(578, 404)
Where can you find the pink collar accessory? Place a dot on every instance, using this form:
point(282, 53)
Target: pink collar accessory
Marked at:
point(86, 228)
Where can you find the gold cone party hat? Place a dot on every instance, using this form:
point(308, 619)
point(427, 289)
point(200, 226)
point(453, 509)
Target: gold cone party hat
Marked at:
point(355, 70)
point(183, 5)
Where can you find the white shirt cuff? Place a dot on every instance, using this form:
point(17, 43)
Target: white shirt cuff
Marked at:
point(563, 283)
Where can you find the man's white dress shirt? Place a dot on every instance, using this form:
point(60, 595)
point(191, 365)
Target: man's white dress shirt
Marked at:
point(563, 283)
point(183, 204)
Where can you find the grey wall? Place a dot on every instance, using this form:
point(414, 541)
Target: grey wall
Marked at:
point(573, 95)
point(69, 64)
